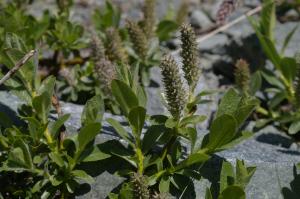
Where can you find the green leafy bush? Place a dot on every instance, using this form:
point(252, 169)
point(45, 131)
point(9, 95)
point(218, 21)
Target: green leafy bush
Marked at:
point(281, 94)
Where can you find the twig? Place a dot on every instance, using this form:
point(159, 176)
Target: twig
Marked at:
point(230, 24)
point(18, 65)
point(226, 26)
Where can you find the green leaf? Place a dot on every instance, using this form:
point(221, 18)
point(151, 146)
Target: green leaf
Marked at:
point(244, 136)
point(208, 194)
point(288, 68)
point(192, 132)
point(120, 130)
point(194, 158)
point(170, 123)
point(151, 136)
point(54, 127)
point(164, 184)
point(20, 157)
point(82, 175)
point(193, 119)
point(86, 135)
point(136, 119)
point(229, 103)
point(93, 111)
point(294, 128)
point(245, 108)
point(124, 96)
point(272, 79)
point(222, 131)
point(255, 82)
point(47, 86)
point(42, 106)
point(268, 18)
point(233, 192)
point(243, 174)
point(55, 157)
point(16, 159)
point(227, 176)
point(96, 155)
point(165, 28)
point(288, 38)
point(14, 49)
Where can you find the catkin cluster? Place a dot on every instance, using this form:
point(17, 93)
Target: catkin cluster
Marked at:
point(189, 54)
point(242, 75)
point(174, 91)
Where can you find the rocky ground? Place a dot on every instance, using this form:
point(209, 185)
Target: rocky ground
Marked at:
point(273, 153)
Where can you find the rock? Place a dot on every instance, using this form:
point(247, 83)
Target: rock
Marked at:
point(200, 20)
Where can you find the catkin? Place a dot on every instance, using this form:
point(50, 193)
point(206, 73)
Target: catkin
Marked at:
point(189, 54)
point(114, 48)
point(140, 190)
point(138, 38)
point(149, 18)
point(226, 9)
point(242, 75)
point(174, 91)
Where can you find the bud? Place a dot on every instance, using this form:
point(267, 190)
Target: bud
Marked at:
point(114, 48)
point(174, 90)
point(189, 54)
point(242, 75)
point(149, 18)
point(138, 38)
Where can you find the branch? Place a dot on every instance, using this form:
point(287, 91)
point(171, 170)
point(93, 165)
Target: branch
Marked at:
point(230, 24)
point(18, 65)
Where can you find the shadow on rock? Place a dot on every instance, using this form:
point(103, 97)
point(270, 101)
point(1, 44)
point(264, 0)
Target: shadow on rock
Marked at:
point(110, 147)
point(275, 139)
point(248, 49)
point(7, 115)
point(294, 191)
point(211, 171)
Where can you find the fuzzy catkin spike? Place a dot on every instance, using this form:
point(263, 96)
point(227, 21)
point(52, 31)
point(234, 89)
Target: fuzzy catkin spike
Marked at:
point(297, 81)
point(182, 12)
point(189, 54)
point(226, 8)
point(174, 90)
point(242, 75)
point(106, 72)
point(138, 38)
point(140, 190)
point(98, 51)
point(114, 48)
point(149, 18)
